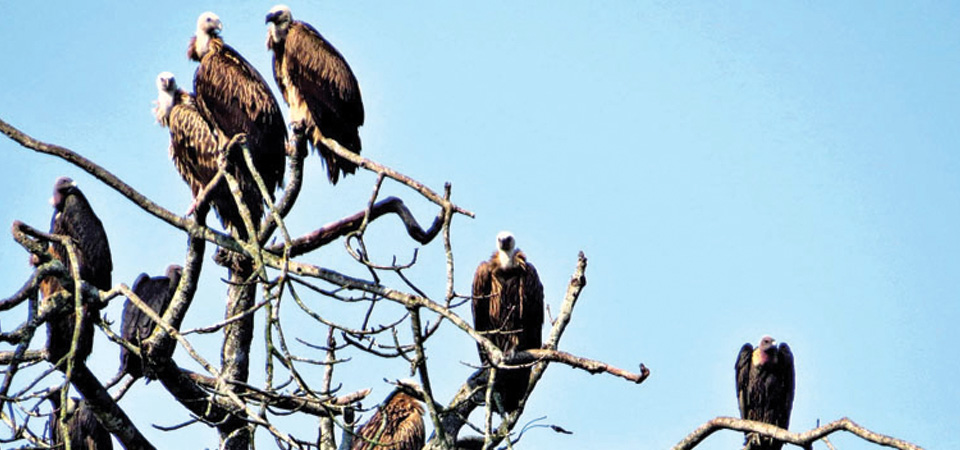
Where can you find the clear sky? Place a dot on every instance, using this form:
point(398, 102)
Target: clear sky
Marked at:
point(730, 171)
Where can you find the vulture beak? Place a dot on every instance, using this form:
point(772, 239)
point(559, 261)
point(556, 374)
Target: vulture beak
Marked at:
point(271, 17)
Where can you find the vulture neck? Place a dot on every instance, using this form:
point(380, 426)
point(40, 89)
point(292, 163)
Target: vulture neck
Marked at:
point(203, 43)
point(507, 259)
point(276, 35)
point(164, 104)
point(760, 358)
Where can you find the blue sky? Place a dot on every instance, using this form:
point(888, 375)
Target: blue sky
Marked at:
point(730, 171)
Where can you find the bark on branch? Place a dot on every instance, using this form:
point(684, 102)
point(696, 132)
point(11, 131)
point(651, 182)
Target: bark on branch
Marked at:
point(805, 439)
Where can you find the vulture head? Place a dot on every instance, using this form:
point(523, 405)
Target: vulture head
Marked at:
point(208, 27)
point(63, 187)
point(506, 249)
point(278, 22)
point(506, 242)
point(166, 90)
point(767, 351)
point(174, 273)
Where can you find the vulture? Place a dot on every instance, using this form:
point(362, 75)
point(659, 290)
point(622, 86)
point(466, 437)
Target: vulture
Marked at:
point(74, 218)
point(235, 99)
point(83, 428)
point(397, 425)
point(508, 309)
point(136, 326)
point(765, 386)
point(319, 86)
point(195, 148)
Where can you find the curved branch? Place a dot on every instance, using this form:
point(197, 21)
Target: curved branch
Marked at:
point(805, 439)
point(332, 231)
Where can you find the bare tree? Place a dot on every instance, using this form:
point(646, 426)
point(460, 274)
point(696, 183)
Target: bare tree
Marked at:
point(263, 278)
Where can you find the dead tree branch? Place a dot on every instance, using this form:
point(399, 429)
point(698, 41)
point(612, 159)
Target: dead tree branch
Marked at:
point(335, 230)
point(805, 439)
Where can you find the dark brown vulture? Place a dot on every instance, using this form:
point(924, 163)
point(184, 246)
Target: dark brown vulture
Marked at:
point(235, 99)
point(136, 326)
point(508, 309)
point(765, 386)
point(397, 425)
point(73, 217)
point(319, 86)
point(84, 430)
point(195, 147)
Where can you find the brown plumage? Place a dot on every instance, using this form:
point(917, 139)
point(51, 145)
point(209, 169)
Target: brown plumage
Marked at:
point(397, 425)
point(73, 217)
point(765, 388)
point(84, 430)
point(136, 326)
point(235, 99)
point(195, 148)
point(508, 308)
point(317, 83)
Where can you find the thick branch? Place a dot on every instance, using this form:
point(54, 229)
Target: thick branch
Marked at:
point(235, 351)
point(108, 413)
point(332, 231)
point(805, 439)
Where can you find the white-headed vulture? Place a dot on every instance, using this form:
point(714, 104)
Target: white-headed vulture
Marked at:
point(765, 387)
point(195, 148)
point(317, 83)
point(235, 99)
point(508, 309)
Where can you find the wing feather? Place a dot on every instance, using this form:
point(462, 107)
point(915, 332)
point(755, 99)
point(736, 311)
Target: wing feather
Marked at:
point(743, 379)
point(531, 310)
point(236, 99)
point(322, 75)
point(482, 295)
point(195, 149)
point(194, 146)
point(397, 425)
point(787, 386)
point(78, 221)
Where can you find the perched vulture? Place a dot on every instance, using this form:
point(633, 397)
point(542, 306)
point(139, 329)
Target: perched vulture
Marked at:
point(136, 326)
point(397, 425)
point(195, 148)
point(319, 86)
point(84, 430)
point(235, 99)
point(74, 218)
point(508, 309)
point(765, 386)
